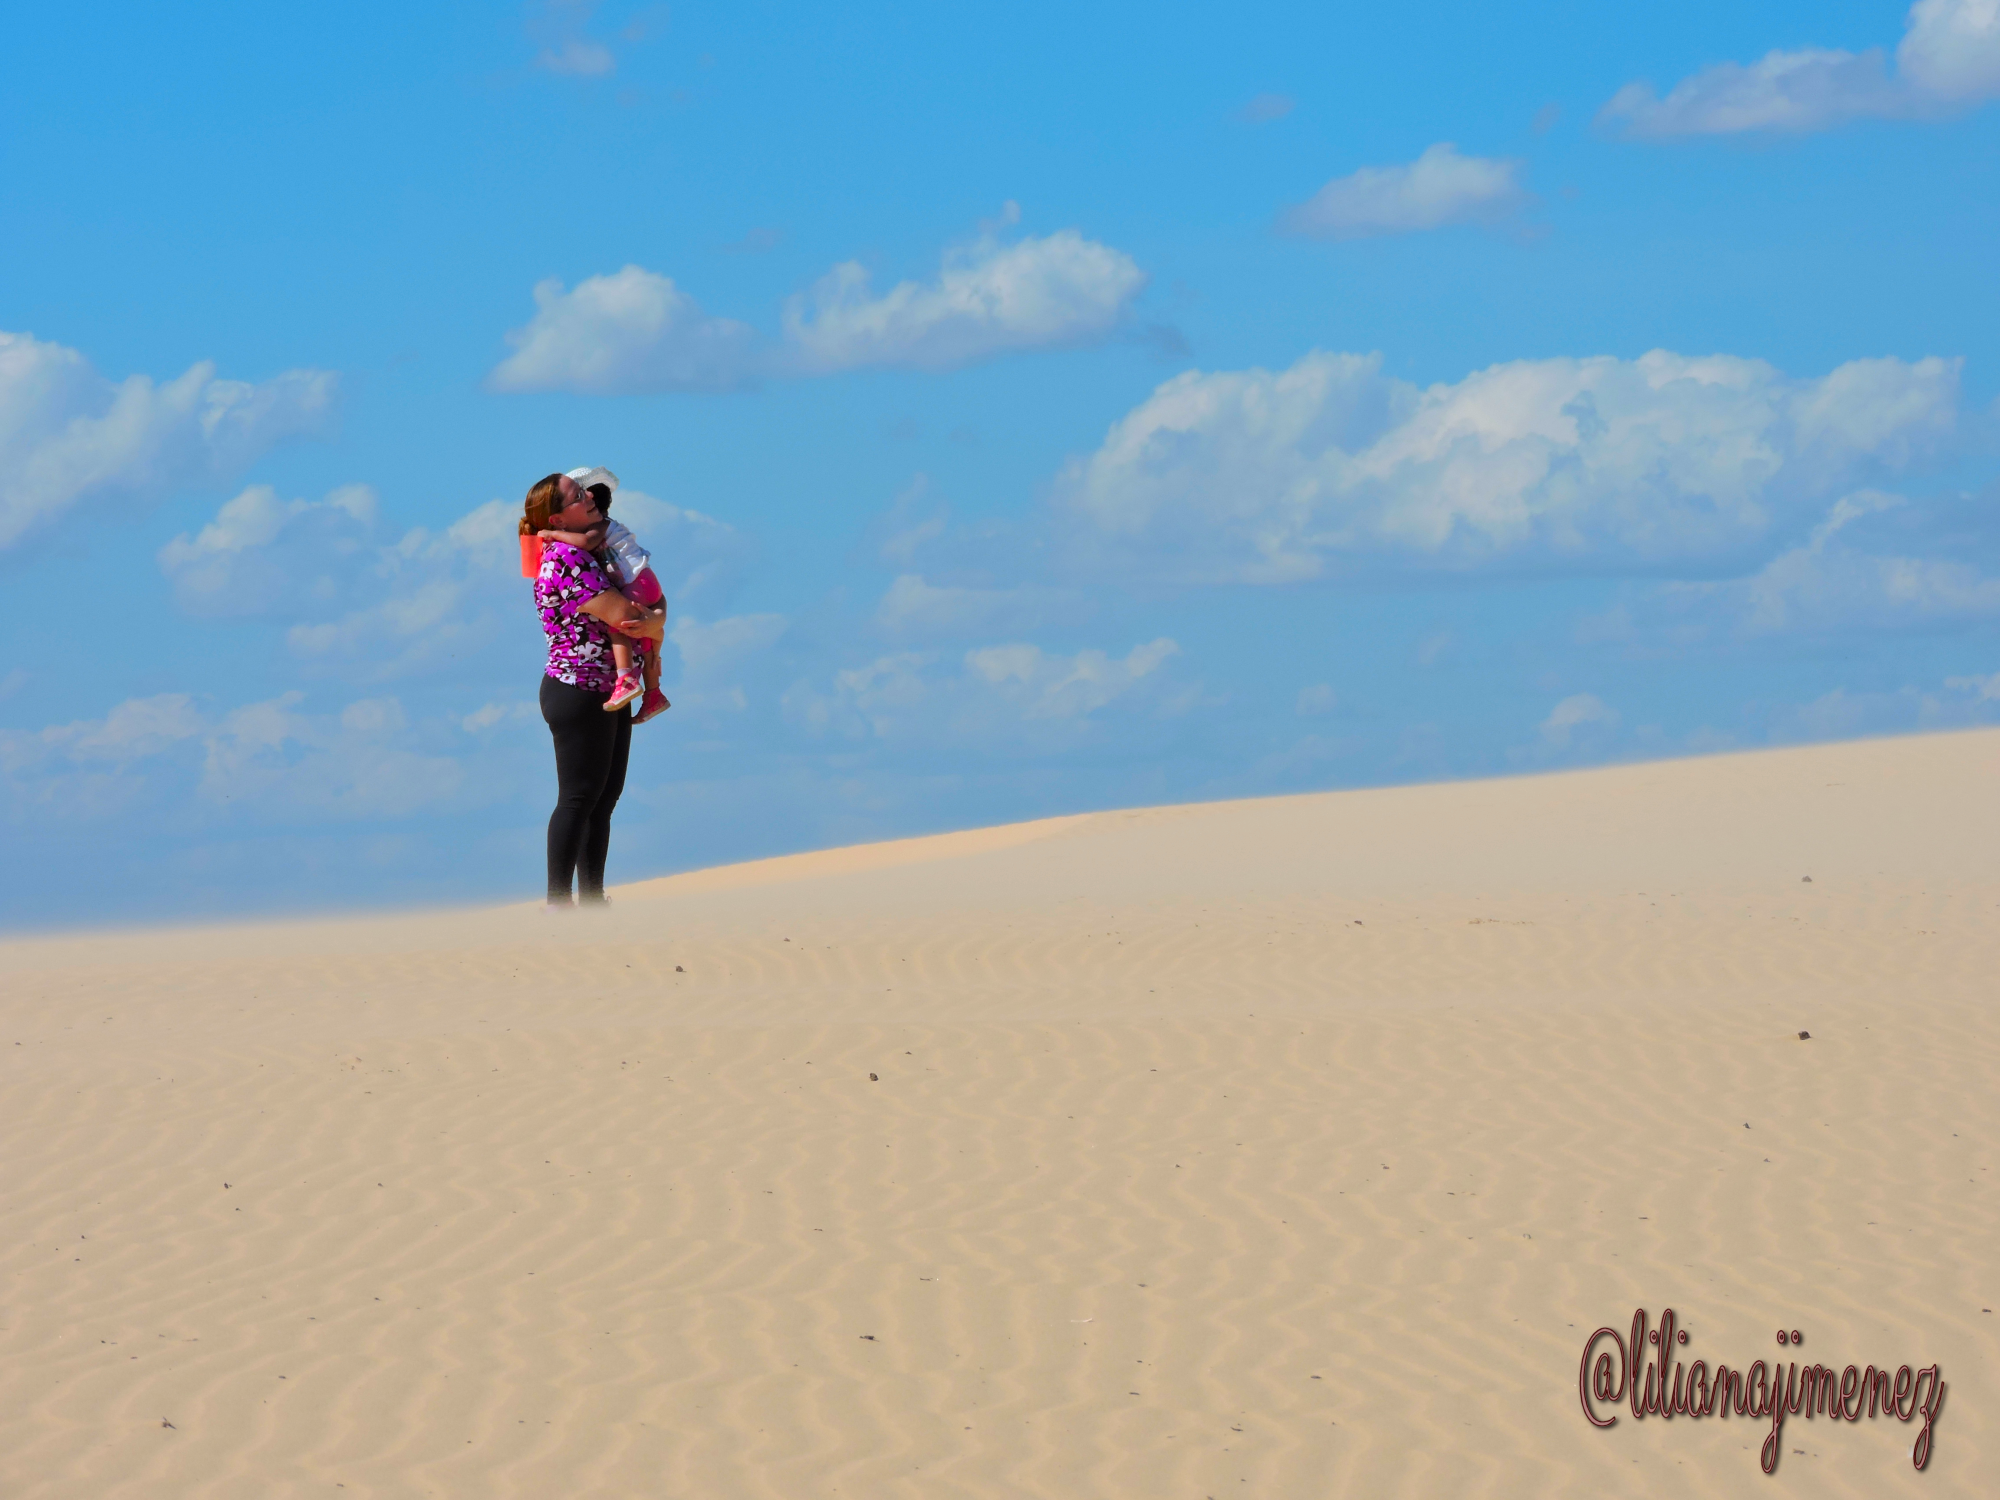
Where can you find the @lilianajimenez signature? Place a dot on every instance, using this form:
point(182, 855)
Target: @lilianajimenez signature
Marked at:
point(1642, 1373)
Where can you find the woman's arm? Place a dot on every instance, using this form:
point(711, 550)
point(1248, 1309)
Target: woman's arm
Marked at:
point(625, 617)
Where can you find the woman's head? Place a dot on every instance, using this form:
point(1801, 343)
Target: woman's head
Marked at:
point(555, 503)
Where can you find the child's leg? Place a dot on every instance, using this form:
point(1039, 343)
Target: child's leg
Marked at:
point(643, 591)
point(652, 665)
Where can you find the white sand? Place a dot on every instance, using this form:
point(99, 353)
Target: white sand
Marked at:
point(1273, 1149)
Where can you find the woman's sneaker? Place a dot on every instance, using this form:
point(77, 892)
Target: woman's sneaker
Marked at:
point(628, 686)
point(655, 704)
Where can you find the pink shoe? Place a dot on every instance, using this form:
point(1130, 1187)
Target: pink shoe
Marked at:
point(655, 705)
point(628, 686)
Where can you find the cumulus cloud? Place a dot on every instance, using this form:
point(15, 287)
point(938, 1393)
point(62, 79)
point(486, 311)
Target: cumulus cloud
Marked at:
point(1439, 188)
point(1063, 687)
point(1984, 689)
point(286, 764)
point(1574, 714)
point(914, 521)
point(991, 697)
point(369, 604)
point(700, 560)
point(1959, 703)
point(631, 331)
point(1951, 49)
point(351, 600)
point(1849, 574)
point(69, 436)
point(134, 730)
point(637, 331)
point(563, 46)
point(297, 766)
point(1264, 108)
point(578, 57)
point(261, 551)
point(1596, 464)
point(714, 654)
point(914, 607)
point(489, 716)
point(988, 298)
point(85, 770)
point(1949, 57)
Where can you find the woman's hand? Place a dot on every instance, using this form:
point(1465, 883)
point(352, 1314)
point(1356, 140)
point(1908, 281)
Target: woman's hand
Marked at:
point(651, 624)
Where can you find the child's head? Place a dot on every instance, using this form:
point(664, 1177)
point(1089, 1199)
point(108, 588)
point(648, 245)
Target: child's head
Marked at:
point(599, 481)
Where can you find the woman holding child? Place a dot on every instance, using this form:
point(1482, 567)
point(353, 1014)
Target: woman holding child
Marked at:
point(594, 632)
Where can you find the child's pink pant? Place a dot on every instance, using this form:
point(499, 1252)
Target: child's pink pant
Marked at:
point(646, 590)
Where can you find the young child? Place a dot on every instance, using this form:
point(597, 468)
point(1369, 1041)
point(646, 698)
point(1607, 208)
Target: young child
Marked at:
point(637, 659)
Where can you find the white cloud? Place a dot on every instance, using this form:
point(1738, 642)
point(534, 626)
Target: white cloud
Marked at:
point(871, 701)
point(1264, 108)
point(992, 698)
point(1984, 689)
point(1844, 714)
point(296, 766)
point(915, 607)
point(1064, 687)
point(1317, 699)
point(232, 565)
point(579, 57)
point(491, 715)
point(1951, 49)
point(709, 652)
point(1573, 714)
point(409, 628)
point(1950, 55)
point(351, 600)
point(698, 558)
point(134, 730)
point(68, 436)
point(268, 756)
point(904, 533)
point(86, 770)
point(558, 27)
point(373, 607)
point(1600, 464)
point(636, 331)
point(1833, 582)
point(989, 298)
point(1439, 188)
point(630, 331)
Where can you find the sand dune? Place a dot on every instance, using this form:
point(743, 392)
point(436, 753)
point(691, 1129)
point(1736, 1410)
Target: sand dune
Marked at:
point(1280, 1148)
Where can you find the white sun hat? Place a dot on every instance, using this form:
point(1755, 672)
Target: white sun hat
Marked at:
point(585, 478)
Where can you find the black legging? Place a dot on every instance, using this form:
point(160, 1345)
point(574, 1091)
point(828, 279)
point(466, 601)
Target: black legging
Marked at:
point(591, 749)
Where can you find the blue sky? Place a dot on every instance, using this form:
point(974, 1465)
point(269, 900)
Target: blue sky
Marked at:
point(1029, 411)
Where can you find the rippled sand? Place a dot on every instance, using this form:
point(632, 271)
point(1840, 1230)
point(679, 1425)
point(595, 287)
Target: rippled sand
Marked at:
point(1262, 1149)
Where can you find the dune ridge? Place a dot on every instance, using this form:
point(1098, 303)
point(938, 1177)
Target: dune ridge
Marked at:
point(1290, 1147)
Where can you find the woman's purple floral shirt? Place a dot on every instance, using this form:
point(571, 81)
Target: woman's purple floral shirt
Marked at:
point(579, 644)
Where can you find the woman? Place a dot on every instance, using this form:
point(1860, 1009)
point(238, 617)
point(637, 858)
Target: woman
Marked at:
point(580, 608)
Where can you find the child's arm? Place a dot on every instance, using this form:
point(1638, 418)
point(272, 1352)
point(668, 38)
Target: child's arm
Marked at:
point(589, 540)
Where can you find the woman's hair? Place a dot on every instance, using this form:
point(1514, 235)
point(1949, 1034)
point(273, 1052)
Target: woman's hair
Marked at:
point(544, 499)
